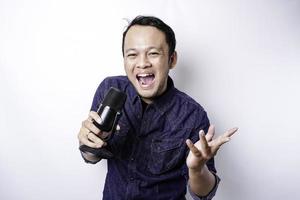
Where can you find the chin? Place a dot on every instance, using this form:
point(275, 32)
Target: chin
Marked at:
point(146, 94)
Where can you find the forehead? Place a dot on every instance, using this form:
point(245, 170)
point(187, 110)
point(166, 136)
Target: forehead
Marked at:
point(144, 36)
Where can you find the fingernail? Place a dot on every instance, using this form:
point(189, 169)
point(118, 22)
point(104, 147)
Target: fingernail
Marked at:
point(99, 120)
point(202, 133)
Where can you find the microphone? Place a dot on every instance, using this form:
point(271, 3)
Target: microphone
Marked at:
point(110, 112)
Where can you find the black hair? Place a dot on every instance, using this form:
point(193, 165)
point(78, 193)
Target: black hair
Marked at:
point(157, 23)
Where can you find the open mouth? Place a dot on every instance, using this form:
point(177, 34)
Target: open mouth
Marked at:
point(145, 80)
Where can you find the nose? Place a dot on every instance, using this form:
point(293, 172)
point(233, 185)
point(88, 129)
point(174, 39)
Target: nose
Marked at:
point(143, 62)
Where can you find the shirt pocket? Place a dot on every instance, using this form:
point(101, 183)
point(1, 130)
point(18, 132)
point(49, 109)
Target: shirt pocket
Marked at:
point(165, 155)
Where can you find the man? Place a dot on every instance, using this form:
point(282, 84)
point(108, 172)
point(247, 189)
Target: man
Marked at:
point(160, 144)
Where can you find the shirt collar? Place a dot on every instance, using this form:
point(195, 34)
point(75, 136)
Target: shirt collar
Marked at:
point(161, 102)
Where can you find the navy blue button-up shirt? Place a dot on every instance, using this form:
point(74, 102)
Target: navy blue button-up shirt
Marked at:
point(149, 150)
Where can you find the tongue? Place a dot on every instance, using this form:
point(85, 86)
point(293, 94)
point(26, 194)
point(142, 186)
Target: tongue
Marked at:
point(146, 80)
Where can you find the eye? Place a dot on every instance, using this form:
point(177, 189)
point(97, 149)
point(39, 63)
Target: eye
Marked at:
point(153, 53)
point(131, 55)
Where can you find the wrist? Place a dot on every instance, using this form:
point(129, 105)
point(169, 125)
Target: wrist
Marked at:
point(196, 166)
point(199, 171)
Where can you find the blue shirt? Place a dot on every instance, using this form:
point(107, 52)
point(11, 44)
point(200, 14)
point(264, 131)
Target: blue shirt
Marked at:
point(149, 150)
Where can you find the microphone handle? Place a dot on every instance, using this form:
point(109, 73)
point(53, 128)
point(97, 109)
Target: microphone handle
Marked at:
point(109, 111)
point(103, 152)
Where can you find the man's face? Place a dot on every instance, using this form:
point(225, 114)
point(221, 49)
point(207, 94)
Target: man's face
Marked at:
point(146, 61)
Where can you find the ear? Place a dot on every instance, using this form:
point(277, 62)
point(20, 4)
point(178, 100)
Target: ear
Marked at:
point(173, 60)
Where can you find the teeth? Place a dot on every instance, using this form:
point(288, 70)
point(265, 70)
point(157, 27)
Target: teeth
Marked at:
point(145, 79)
point(144, 75)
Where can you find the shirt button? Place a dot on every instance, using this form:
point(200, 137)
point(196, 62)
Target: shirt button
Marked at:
point(131, 159)
point(131, 178)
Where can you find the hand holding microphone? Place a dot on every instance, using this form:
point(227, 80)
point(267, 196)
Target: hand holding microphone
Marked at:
point(90, 134)
point(100, 125)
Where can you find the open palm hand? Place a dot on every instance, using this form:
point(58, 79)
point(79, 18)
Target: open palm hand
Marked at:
point(206, 147)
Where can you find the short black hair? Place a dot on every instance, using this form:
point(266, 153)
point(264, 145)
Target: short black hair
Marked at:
point(157, 23)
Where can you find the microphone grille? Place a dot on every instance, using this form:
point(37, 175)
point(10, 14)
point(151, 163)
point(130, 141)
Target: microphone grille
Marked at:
point(114, 98)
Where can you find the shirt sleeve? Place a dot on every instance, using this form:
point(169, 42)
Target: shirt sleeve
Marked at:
point(210, 195)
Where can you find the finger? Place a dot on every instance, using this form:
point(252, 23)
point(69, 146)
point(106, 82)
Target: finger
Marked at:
point(94, 115)
point(210, 133)
point(90, 119)
point(192, 148)
point(92, 137)
point(218, 142)
point(205, 150)
point(83, 139)
point(227, 135)
point(91, 127)
point(222, 140)
point(230, 132)
point(104, 135)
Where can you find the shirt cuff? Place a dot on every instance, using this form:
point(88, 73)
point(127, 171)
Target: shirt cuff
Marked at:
point(210, 195)
point(89, 161)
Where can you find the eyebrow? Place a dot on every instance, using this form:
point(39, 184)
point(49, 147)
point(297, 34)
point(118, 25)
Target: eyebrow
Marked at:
point(131, 49)
point(148, 48)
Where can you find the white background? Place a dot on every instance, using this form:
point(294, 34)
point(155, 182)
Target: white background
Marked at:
point(239, 59)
